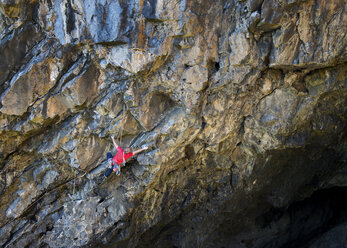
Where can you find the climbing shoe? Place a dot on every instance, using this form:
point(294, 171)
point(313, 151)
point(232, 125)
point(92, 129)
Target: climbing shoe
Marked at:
point(117, 169)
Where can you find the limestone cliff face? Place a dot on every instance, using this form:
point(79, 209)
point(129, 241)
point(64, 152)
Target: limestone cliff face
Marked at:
point(243, 104)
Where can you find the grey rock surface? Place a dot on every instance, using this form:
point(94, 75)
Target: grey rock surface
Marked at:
point(243, 105)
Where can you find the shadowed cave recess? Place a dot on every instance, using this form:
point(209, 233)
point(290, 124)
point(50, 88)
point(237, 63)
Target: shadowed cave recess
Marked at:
point(242, 103)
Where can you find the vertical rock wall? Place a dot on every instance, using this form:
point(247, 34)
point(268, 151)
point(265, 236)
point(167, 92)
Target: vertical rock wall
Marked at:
point(243, 105)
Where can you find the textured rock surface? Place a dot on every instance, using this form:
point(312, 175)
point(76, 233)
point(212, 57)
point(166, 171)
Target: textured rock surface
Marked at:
point(243, 105)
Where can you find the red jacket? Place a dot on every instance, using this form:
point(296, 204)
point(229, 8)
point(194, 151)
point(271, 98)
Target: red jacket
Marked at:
point(121, 156)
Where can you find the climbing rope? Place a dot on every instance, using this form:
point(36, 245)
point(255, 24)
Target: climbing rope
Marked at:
point(120, 133)
point(84, 173)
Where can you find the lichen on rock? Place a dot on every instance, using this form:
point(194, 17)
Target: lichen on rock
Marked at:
point(241, 103)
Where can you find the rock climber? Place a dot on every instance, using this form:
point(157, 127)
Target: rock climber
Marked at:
point(122, 155)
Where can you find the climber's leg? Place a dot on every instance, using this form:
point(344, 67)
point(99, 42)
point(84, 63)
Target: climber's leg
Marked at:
point(109, 164)
point(109, 159)
point(109, 155)
point(116, 169)
point(108, 172)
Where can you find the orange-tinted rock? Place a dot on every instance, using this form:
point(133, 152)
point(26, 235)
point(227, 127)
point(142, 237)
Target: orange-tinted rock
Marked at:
point(130, 125)
point(84, 89)
point(15, 47)
point(242, 103)
point(195, 78)
point(90, 151)
point(56, 106)
point(28, 88)
point(153, 108)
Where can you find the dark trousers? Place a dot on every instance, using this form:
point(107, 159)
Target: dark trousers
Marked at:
point(109, 155)
point(109, 170)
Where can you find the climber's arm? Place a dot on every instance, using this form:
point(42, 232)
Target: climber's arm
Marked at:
point(140, 150)
point(114, 142)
